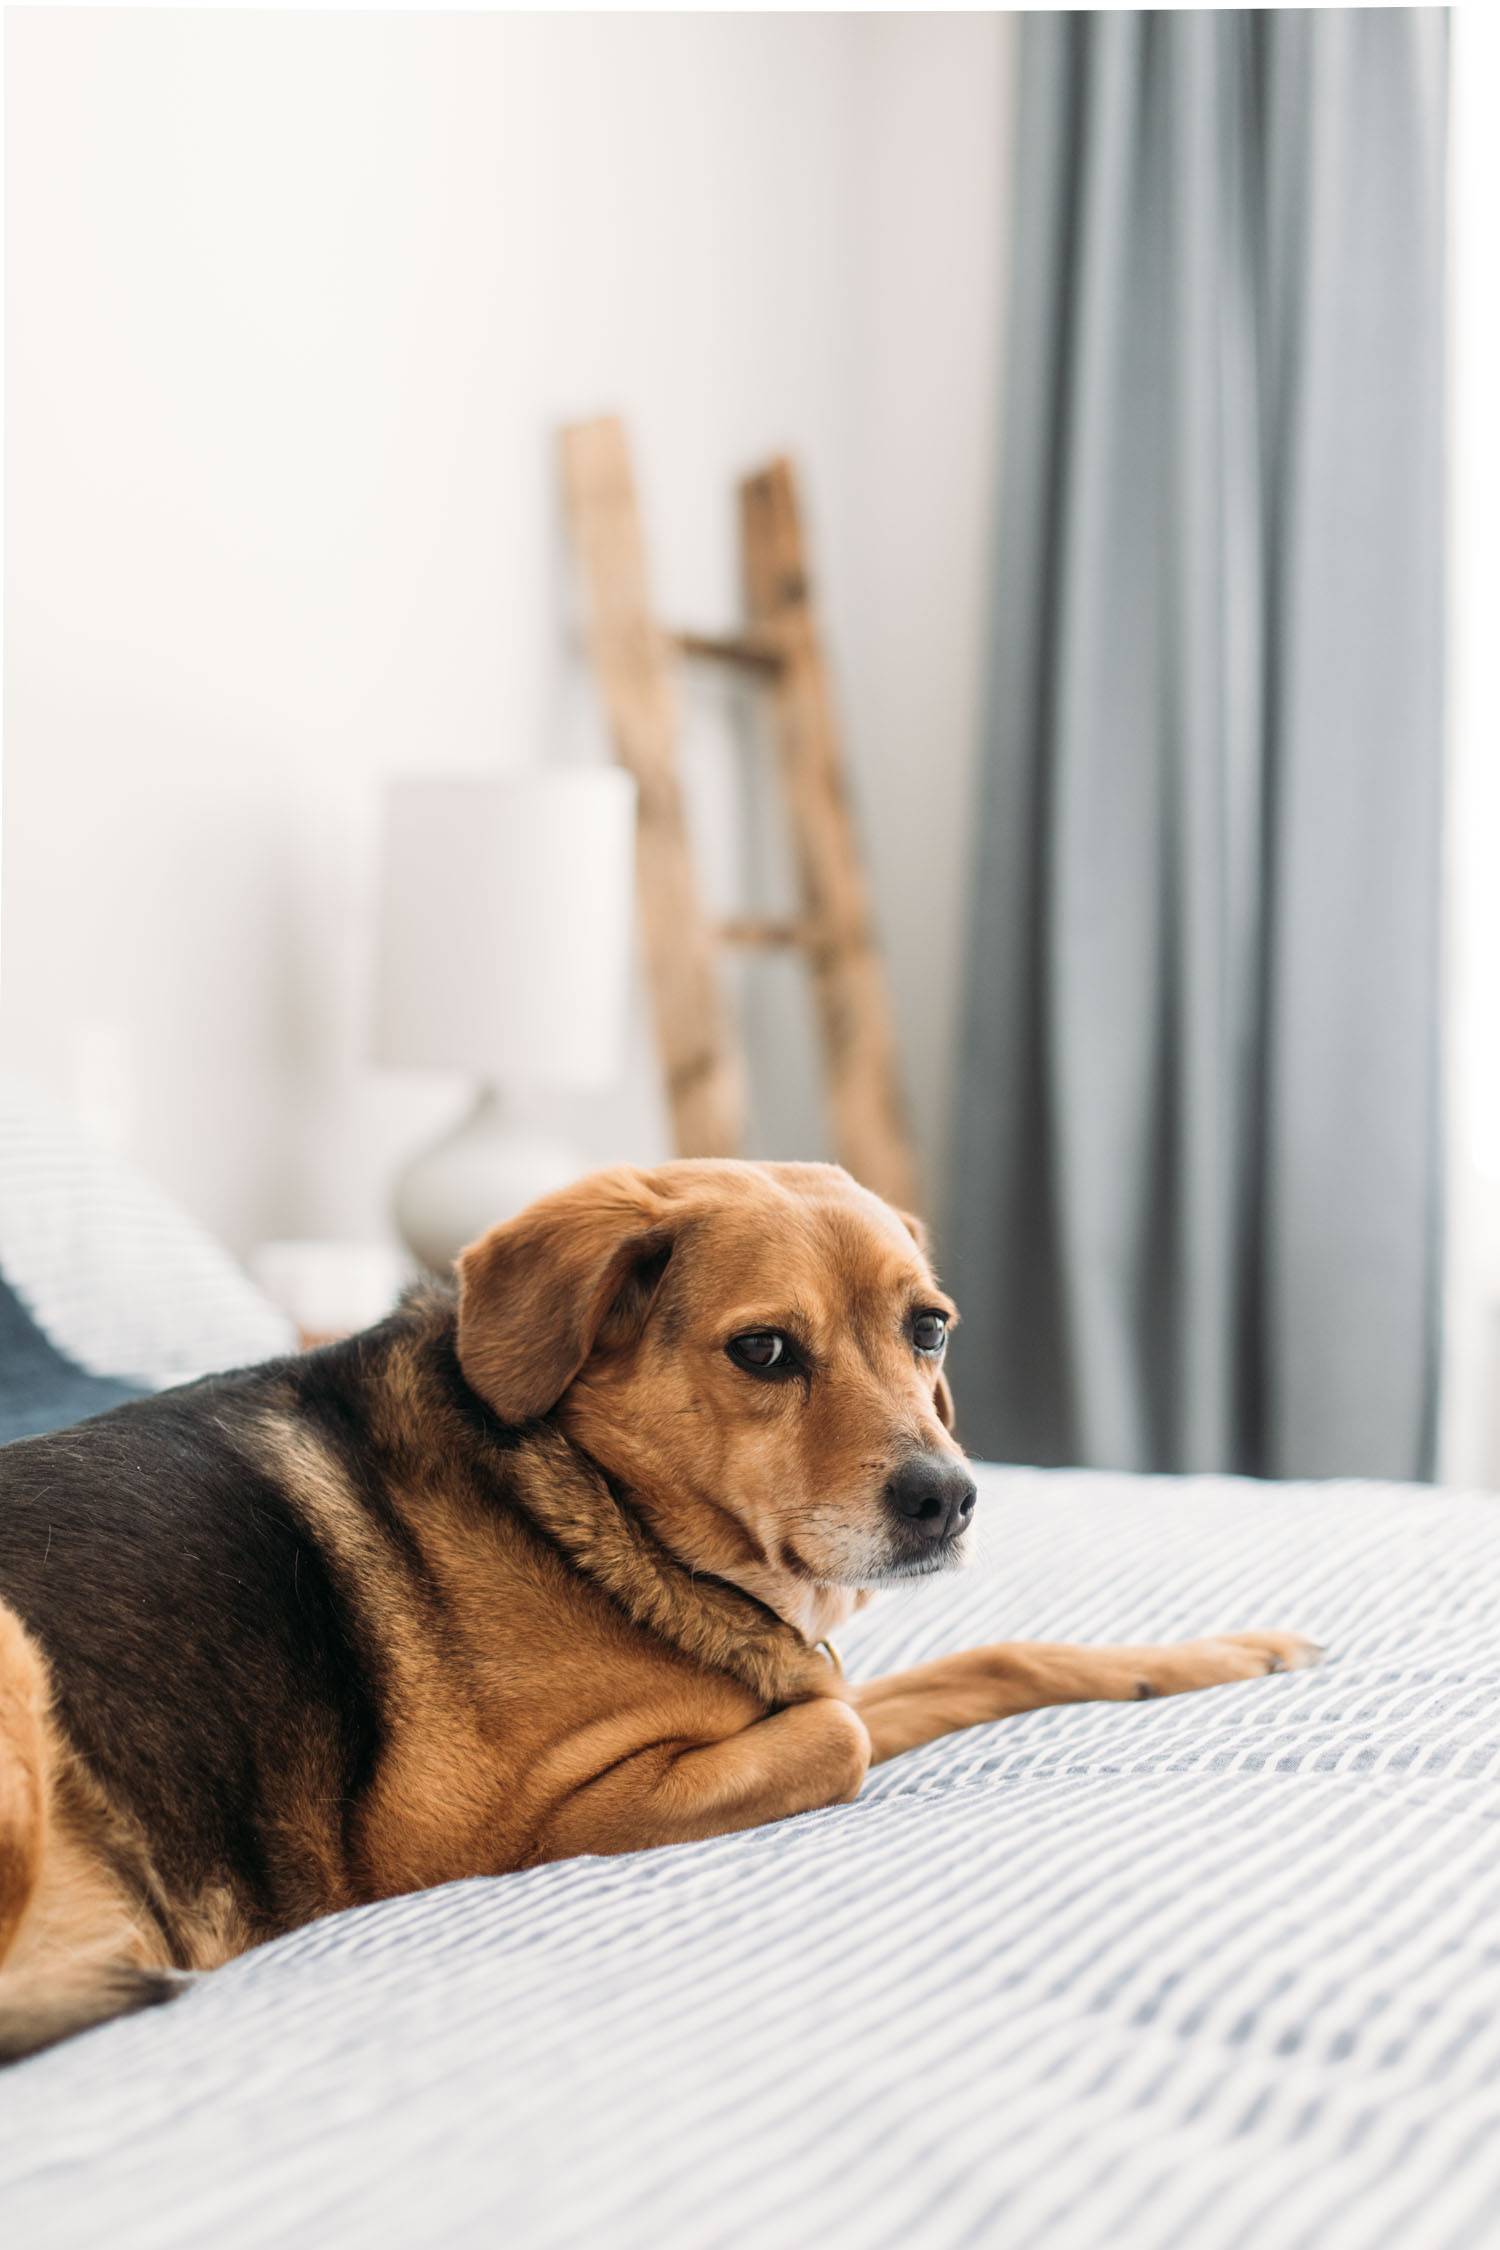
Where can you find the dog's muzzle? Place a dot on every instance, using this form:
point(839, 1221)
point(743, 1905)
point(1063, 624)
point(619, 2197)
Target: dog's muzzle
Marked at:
point(933, 1496)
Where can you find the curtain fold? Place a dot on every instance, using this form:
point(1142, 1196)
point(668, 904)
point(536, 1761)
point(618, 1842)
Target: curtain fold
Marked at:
point(1196, 1171)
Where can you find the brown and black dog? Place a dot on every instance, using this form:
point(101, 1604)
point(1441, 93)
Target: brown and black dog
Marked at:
point(536, 1567)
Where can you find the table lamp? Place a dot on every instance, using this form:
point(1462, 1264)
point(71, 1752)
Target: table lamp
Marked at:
point(506, 911)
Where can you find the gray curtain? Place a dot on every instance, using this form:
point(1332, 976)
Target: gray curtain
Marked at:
point(1196, 1213)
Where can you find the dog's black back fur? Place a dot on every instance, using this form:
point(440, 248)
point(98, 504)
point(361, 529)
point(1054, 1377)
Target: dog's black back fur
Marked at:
point(239, 1669)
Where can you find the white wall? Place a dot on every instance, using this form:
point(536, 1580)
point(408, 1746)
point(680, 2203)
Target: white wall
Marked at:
point(935, 118)
point(1470, 1450)
point(294, 304)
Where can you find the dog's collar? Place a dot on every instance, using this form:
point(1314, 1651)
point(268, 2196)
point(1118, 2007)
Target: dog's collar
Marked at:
point(569, 1498)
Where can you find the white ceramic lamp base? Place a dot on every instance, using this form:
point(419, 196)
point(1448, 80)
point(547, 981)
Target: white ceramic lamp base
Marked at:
point(482, 1172)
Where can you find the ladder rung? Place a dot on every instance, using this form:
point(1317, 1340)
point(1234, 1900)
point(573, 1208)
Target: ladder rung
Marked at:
point(749, 652)
point(751, 930)
point(771, 649)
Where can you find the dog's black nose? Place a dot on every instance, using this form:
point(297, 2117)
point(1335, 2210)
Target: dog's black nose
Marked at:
point(935, 1493)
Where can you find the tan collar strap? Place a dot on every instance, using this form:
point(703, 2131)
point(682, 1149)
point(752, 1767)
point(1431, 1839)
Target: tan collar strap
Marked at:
point(708, 1619)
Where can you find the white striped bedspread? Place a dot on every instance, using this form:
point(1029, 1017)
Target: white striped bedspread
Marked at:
point(1216, 1971)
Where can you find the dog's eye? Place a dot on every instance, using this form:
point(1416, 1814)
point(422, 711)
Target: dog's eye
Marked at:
point(760, 1351)
point(929, 1332)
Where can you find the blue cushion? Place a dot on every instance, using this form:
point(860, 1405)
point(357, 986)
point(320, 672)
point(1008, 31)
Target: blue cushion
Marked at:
point(40, 1388)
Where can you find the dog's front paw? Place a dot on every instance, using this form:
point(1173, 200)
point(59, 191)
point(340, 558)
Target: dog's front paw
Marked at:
point(1248, 1656)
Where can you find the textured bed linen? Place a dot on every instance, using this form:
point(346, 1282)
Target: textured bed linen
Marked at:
point(1215, 1971)
point(122, 1282)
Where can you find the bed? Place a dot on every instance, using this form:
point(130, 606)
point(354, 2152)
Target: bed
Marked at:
point(1216, 1971)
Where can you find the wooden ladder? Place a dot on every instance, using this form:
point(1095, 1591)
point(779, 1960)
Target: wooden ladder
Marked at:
point(634, 657)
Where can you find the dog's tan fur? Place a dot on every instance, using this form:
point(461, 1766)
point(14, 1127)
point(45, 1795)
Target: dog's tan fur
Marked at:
point(598, 1635)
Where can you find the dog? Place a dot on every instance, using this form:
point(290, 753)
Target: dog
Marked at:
point(548, 1562)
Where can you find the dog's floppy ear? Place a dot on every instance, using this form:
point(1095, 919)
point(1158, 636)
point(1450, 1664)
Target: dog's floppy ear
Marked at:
point(536, 1295)
point(917, 1229)
point(946, 1413)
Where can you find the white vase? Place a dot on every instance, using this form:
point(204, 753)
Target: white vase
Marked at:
point(480, 1173)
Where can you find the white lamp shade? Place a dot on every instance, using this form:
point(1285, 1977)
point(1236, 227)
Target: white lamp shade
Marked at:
point(506, 914)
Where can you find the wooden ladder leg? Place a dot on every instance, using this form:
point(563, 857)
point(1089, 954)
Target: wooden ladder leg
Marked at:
point(634, 659)
point(869, 1117)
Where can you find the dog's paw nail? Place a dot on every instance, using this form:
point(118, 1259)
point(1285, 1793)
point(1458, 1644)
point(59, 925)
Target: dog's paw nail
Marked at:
point(1297, 1656)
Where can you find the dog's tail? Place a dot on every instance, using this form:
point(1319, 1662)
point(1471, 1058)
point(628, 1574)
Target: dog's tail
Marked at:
point(36, 2009)
point(23, 1762)
point(39, 2007)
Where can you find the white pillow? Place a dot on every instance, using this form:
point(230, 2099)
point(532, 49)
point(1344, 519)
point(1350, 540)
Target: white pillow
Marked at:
point(120, 1280)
